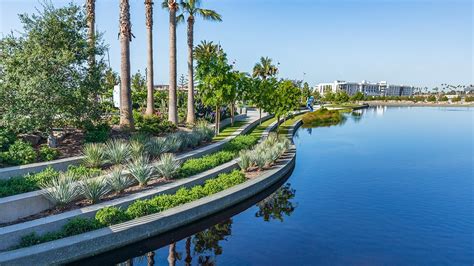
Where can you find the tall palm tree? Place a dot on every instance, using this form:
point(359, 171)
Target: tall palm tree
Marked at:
point(90, 9)
point(149, 74)
point(191, 9)
point(172, 6)
point(265, 68)
point(126, 118)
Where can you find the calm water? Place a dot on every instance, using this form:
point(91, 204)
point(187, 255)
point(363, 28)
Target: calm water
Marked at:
point(393, 186)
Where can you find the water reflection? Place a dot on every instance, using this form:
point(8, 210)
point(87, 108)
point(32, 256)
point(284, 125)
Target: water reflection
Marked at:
point(204, 247)
point(278, 205)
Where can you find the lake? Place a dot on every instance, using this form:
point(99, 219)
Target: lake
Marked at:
point(389, 186)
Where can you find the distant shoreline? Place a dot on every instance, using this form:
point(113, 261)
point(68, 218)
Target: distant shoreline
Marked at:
point(421, 104)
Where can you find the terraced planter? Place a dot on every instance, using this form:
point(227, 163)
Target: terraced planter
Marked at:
point(23, 205)
point(62, 164)
point(102, 240)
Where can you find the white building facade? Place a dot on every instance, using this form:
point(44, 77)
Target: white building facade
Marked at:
point(367, 88)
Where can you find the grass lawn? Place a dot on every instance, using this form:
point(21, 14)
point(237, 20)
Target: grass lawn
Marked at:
point(228, 130)
point(343, 105)
point(285, 127)
point(258, 130)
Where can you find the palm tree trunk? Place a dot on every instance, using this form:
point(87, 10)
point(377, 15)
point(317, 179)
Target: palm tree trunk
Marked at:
point(260, 115)
point(90, 7)
point(232, 114)
point(150, 256)
point(126, 118)
point(172, 254)
point(188, 258)
point(172, 109)
point(191, 115)
point(149, 25)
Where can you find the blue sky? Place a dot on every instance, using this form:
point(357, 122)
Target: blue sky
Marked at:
point(417, 42)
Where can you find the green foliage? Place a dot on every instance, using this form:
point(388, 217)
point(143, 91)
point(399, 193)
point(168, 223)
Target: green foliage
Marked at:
point(359, 96)
point(48, 154)
point(141, 170)
point(46, 81)
point(97, 133)
point(19, 152)
point(168, 166)
point(94, 189)
point(456, 99)
point(329, 96)
point(283, 99)
point(322, 117)
point(443, 98)
point(117, 151)
point(77, 226)
point(7, 137)
point(94, 154)
point(469, 99)
point(341, 97)
point(229, 152)
point(111, 215)
point(152, 124)
point(61, 190)
point(431, 98)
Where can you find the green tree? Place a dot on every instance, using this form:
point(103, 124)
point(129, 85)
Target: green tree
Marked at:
point(328, 96)
point(359, 96)
point(45, 79)
point(305, 93)
point(263, 70)
point(191, 9)
point(284, 100)
point(214, 77)
point(341, 97)
point(139, 91)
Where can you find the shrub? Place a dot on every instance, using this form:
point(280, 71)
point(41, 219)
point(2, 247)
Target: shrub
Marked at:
point(48, 154)
point(168, 126)
point(20, 152)
point(198, 165)
point(94, 189)
point(61, 190)
point(7, 137)
point(140, 169)
point(150, 124)
point(431, 98)
point(118, 181)
point(80, 171)
point(456, 99)
point(140, 208)
point(240, 143)
point(443, 98)
point(97, 133)
point(77, 226)
point(168, 166)
point(94, 154)
point(469, 99)
point(206, 133)
point(322, 117)
point(111, 215)
point(117, 151)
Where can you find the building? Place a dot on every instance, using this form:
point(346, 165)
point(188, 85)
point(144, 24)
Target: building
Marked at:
point(381, 88)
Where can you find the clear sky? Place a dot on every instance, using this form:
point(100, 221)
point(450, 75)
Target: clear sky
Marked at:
point(415, 42)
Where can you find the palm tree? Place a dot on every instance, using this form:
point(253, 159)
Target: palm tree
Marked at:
point(90, 8)
point(264, 68)
point(126, 118)
point(191, 9)
point(172, 6)
point(149, 74)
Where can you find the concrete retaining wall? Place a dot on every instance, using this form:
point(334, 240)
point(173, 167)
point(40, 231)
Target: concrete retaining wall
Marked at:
point(23, 205)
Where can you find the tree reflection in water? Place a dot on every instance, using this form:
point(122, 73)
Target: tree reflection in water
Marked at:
point(206, 243)
point(278, 205)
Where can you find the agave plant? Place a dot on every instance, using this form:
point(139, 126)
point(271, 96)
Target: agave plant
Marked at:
point(141, 170)
point(193, 139)
point(245, 160)
point(118, 180)
point(94, 189)
point(174, 142)
point(206, 133)
point(168, 165)
point(156, 146)
point(61, 190)
point(117, 151)
point(93, 154)
point(259, 159)
point(137, 148)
